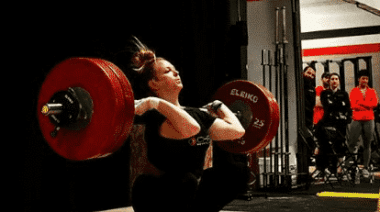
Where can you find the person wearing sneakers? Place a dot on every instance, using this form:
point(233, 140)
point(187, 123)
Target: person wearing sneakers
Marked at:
point(363, 100)
point(331, 129)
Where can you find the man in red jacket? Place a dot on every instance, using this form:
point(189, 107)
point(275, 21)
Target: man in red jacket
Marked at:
point(363, 100)
point(318, 108)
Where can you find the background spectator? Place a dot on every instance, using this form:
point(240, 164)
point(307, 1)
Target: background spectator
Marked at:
point(318, 109)
point(363, 101)
point(309, 88)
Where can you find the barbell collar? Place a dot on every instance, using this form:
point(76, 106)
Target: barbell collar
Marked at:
point(238, 114)
point(52, 108)
point(71, 109)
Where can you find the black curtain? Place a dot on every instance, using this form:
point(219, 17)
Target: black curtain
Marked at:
point(194, 35)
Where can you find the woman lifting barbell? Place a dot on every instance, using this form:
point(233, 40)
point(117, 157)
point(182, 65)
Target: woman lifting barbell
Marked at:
point(177, 139)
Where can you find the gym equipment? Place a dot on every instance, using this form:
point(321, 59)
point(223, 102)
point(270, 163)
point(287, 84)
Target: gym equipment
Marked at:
point(257, 111)
point(86, 110)
point(90, 108)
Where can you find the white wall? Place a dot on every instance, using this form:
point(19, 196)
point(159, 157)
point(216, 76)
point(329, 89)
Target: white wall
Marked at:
point(344, 41)
point(317, 15)
point(261, 33)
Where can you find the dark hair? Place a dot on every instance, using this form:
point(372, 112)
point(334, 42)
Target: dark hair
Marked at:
point(363, 72)
point(143, 59)
point(326, 75)
point(307, 67)
point(143, 62)
point(336, 74)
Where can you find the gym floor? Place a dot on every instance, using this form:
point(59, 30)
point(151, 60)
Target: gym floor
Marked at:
point(305, 200)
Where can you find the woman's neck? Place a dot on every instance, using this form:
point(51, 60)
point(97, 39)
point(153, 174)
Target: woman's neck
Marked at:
point(170, 97)
point(174, 101)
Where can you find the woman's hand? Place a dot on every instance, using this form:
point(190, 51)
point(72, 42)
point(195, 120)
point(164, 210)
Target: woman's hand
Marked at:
point(227, 126)
point(145, 104)
point(213, 107)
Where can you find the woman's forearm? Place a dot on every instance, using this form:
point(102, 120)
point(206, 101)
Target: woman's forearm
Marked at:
point(228, 116)
point(227, 126)
point(180, 120)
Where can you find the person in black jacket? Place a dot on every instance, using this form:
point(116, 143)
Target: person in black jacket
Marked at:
point(331, 130)
point(309, 89)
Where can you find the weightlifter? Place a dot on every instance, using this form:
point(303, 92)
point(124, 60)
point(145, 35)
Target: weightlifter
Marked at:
point(177, 139)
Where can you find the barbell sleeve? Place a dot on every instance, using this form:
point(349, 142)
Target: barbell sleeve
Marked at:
point(284, 40)
point(277, 27)
point(52, 108)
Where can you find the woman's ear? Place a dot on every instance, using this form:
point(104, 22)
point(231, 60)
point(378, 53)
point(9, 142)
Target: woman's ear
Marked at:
point(153, 84)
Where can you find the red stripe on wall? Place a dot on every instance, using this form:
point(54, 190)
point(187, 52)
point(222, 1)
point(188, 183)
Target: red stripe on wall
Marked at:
point(354, 49)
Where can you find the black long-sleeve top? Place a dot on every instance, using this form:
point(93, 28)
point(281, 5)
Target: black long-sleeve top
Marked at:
point(336, 106)
point(309, 90)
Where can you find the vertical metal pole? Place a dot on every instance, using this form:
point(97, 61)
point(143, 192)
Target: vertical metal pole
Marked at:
point(280, 78)
point(284, 40)
point(356, 70)
point(282, 107)
point(277, 25)
point(270, 63)
point(326, 66)
point(277, 136)
point(263, 63)
point(286, 118)
point(369, 69)
point(270, 144)
point(342, 75)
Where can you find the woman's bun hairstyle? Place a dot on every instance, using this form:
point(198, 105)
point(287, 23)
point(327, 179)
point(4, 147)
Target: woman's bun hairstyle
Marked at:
point(143, 63)
point(143, 57)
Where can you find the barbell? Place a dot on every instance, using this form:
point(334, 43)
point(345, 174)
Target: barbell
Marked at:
point(86, 110)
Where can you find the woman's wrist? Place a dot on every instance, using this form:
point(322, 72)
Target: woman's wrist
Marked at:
point(154, 102)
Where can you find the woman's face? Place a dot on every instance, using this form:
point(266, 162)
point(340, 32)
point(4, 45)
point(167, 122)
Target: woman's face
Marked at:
point(166, 77)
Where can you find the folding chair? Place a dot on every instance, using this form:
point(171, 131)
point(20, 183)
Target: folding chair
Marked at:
point(374, 164)
point(330, 152)
point(322, 172)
